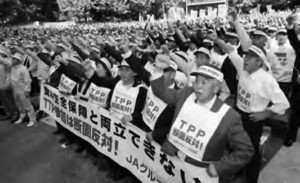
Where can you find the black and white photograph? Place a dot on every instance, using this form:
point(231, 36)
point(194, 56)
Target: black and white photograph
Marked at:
point(149, 91)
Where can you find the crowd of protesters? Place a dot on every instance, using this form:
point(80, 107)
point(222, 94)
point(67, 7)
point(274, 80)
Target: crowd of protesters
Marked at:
point(239, 73)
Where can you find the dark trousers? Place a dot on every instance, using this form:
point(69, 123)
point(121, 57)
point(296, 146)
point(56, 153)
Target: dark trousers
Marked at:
point(8, 101)
point(35, 86)
point(286, 88)
point(294, 121)
point(254, 130)
point(294, 124)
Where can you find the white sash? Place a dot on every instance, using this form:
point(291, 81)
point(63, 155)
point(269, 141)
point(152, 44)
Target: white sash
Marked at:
point(153, 108)
point(66, 84)
point(123, 100)
point(194, 127)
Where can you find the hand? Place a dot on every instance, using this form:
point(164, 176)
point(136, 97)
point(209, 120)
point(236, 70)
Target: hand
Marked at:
point(212, 36)
point(63, 61)
point(260, 116)
point(291, 19)
point(149, 136)
point(125, 45)
point(212, 171)
point(126, 119)
point(165, 49)
point(233, 13)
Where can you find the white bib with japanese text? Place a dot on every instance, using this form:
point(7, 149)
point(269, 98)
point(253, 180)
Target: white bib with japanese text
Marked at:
point(66, 84)
point(244, 96)
point(153, 108)
point(98, 95)
point(194, 127)
point(123, 100)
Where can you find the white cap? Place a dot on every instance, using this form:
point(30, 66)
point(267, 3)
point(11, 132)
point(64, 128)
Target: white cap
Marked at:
point(17, 56)
point(61, 45)
point(124, 64)
point(260, 33)
point(73, 58)
point(282, 31)
point(208, 41)
point(4, 51)
point(272, 28)
point(94, 48)
point(259, 53)
point(106, 62)
point(231, 34)
point(203, 50)
point(182, 55)
point(209, 72)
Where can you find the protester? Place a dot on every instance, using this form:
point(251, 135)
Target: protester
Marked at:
point(182, 70)
point(256, 89)
point(21, 83)
point(294, 119)
point(197, 106)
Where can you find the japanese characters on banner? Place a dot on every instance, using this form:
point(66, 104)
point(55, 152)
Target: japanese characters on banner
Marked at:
point(125, 144)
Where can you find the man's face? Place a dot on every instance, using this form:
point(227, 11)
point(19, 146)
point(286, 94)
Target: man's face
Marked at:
point(192, 46)
point(15, 61)
point(232, 40)
point(171, 44)
point(29, 49)
point(259, 40)
point(281, 39)
point(205, 88)
point(201, 59)
point(126, 74)
point(272, 34)
point(251, 62)
point(169, 75)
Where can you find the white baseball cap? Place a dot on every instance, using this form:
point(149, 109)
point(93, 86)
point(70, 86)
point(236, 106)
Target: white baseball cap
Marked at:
point(259, 53)
point(203, 50)
point(124, 64)
point(172, 67)
point(209, 72)
point(260, 33)
point(17, 56)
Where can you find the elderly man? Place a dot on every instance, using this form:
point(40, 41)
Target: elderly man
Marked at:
point(212, 128)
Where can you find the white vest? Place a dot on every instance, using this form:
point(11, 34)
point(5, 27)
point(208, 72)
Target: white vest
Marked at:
point(153, 108)
point(194, 127)
point(98, 95)
point(286, 58)
point(123, 100)
point(66, 84)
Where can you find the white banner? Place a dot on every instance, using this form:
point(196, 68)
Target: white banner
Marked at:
point(126, 145)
